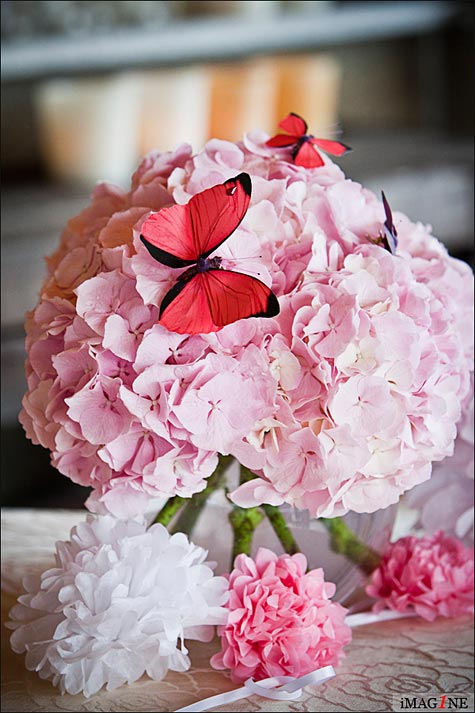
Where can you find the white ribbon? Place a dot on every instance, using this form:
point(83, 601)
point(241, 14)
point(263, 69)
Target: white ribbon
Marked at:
point(370, 618)
point(288, 688)
point(281, 688)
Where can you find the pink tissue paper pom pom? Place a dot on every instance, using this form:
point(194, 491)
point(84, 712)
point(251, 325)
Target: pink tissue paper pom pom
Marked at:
point(339, 403)
point(281, 619)
point(433, 575)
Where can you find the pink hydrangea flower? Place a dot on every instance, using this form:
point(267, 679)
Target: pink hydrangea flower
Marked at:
point(447, 500)
point(433, 575)
point(281, 619)
point(359, 380)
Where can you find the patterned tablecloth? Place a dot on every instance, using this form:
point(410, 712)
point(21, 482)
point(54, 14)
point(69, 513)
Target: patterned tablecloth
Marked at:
point(384, 662)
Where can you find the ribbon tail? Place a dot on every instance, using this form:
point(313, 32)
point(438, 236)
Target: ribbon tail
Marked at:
point(220, 699)
point(371, 618)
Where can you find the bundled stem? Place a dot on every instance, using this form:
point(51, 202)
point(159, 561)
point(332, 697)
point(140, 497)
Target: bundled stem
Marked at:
point(275, 518)
point(168, 511)
point(192, 510)
point(281, 529)
point(344, 541)
point(243, 522)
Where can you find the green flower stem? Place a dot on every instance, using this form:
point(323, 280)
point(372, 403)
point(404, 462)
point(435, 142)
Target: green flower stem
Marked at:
point(275, 518)
point(192, 510)
point(243, 522)
point(281, 529)
point(168, 511)
point(344, 542)
point(245, 474)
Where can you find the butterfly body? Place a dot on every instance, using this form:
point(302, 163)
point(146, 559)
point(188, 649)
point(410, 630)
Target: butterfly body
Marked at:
point(203, 265)
point(306, 138)
point(206, 297)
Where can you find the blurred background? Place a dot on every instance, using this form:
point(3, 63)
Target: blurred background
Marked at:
point(89, 86)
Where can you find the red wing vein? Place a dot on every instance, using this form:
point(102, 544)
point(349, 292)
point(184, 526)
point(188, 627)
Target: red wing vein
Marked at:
point(227, 303)
point(202, 245)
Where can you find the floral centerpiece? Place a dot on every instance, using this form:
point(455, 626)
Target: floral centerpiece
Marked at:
point(247, 302)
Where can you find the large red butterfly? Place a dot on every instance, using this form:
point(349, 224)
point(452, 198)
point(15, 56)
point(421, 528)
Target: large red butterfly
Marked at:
point(304, 152)
point(205, 297)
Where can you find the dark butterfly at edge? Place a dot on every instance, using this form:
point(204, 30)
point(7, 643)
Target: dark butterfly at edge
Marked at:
point(206, 297)
point(388, 236)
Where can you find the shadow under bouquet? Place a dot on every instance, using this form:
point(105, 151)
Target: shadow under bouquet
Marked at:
point(246, 304)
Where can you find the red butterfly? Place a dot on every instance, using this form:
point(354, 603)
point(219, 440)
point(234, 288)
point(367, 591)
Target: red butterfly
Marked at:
point(205, 297)
point(303, 145)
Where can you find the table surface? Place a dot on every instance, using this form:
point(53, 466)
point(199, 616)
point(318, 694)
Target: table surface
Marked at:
point(384, 661)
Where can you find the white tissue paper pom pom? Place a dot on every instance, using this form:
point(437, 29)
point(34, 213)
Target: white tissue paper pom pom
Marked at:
point(120, 603)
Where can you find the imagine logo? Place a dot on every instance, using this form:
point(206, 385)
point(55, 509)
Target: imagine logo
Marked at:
point(449, 702)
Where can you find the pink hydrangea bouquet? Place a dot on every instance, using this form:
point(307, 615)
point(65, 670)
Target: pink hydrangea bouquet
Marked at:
point(247, 302)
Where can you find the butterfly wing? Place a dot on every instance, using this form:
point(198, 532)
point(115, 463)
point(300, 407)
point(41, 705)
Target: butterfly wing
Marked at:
point(280, 141)
point(293, 124)
point(211, 300)
point(335, 148)
point(388, 213)
point(307, 156)
point(168, 236)
point(233, 296)
point(217, 212)
point(390, 232)
point(180, 235)
point(185, 308)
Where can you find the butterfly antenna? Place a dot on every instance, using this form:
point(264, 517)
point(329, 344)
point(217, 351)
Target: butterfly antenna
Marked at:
point(248, 272)
point(331, 130)
point(235, 262)
point(249, 257)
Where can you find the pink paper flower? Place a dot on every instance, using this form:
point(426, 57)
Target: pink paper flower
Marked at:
point(433, 574)
point(281, 620)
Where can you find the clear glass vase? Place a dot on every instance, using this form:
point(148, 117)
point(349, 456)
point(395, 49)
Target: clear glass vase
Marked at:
point(212, 530)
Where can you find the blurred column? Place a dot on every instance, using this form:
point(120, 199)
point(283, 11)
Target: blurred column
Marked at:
point(88, 127)
point(243, 98)
point(309, 85)
point(175, 108)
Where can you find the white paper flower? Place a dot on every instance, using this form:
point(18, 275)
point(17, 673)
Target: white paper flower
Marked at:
point(120, 603)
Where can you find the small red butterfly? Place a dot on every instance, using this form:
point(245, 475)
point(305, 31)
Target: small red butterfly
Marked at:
point(304, 152)
point(205, 297)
